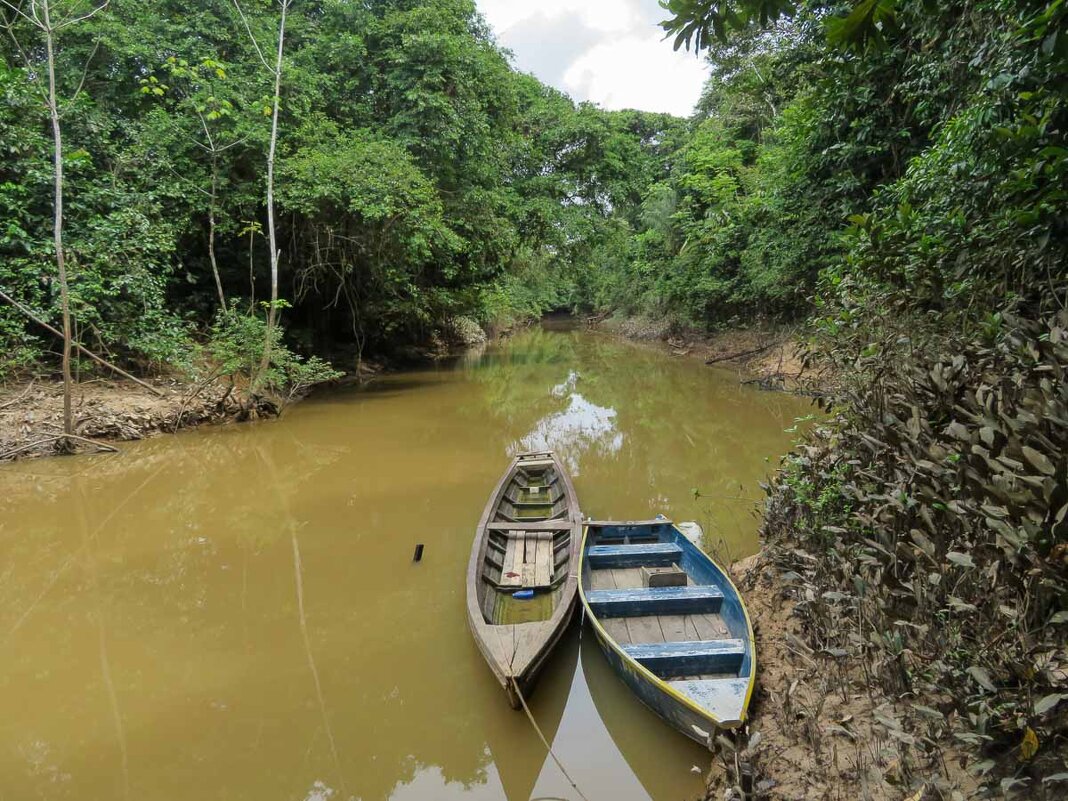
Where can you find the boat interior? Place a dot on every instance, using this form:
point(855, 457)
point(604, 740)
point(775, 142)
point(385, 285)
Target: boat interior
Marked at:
point(528, 546)
point(670, 609)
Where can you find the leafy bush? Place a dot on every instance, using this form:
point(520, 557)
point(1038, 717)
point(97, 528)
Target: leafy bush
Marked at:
point(236, 350)
point(934, 516)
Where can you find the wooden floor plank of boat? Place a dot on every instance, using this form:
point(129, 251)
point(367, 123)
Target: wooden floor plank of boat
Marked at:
point(645, 629)
point(673, 628)
point(543, 563)
point(515, 547)
point(710, 627)
point(653, 628)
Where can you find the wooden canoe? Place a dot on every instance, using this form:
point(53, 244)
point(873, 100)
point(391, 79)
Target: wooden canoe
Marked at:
point(527, 542)
point(671, 623)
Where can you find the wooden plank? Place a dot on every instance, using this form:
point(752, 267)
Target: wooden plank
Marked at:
point(674, 628)
point(710, 627)
point(645, 629)
point(539, 463)
point(656, 554)
point(628, 578)
point(602, 580)
point(723, 697)
point(655, 601)
point(531, 525)
point(617, 629)
point(526, 566)
point(543, 563)
point(688, 658)
point(691, 628)
point(599, 523)
point(509, 564)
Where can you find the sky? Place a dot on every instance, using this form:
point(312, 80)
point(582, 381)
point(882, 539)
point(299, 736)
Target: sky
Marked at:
point(611, 52)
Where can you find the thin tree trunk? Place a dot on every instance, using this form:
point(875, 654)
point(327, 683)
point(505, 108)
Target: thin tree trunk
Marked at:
point(271, 234)
point(76, 345)
point(57, 227)
point(211, 230)
point(251, 272)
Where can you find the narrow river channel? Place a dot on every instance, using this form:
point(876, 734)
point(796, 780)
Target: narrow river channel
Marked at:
point(233, 613)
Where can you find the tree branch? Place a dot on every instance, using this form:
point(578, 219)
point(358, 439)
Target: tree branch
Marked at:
point(25, 310)
point(81, 83)
point(75, 20)
point(255, 44)
point(18, 10)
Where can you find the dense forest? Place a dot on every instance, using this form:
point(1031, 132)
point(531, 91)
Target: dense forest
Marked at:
point(891, 173)
point(416, 175)
point(895, 172)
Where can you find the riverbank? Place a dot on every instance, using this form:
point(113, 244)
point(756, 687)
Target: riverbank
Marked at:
point(31, 413)
point(107, 411)
point(771, 357)
point(819, 728)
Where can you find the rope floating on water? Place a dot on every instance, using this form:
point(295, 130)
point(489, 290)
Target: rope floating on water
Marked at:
point(549, 748)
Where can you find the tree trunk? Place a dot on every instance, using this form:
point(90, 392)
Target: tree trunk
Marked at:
point(211, 229)
point(57, 226)
point(271, 234)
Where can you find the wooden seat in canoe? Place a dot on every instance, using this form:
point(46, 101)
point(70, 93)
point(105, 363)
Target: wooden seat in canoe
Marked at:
point(669, 659)
point(657, 554)
point(655, 601)
point(528, 560)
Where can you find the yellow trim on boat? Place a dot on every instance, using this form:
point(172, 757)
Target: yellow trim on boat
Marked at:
point(656, 680)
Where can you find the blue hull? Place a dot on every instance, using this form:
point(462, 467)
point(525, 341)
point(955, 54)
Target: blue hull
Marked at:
point(697, 727)
point(698, 706)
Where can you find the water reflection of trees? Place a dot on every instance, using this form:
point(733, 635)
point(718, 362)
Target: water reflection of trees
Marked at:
point(192, 542)
point(637, 732)
point(640, 430)
point(207, 666)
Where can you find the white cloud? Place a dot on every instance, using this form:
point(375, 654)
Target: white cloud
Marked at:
point(610, 52)
point(637, 73)
point(601, 15)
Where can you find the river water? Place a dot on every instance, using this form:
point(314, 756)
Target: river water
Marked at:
point(233, 613)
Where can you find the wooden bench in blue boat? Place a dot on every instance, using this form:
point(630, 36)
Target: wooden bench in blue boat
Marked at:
point(669, 659)
point(657, 554)
point(655, 601)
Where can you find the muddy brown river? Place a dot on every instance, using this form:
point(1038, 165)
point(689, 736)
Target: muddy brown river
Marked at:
point(233, 613)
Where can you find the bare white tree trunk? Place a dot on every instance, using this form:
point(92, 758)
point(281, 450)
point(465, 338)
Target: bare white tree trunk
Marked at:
point(271, 234)
point(57, 218)
point(211, 230)
point(40, 16)
point(272, 237)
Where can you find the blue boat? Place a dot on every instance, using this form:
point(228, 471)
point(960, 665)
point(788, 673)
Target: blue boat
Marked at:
point(670, 622)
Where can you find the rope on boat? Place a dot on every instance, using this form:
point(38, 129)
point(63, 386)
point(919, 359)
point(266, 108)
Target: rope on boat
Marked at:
point(549, 748)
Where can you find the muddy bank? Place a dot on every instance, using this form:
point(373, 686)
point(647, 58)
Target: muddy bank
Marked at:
point(31, 414)
point(766, 356)
point(818, 729)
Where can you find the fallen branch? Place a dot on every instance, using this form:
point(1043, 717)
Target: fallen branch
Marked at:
point(77, 346)
point(60, 437)
point(14, 401)
point(740, 354)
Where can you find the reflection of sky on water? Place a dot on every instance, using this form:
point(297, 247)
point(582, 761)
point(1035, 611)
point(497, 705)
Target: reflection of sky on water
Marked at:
point(581, 427)
point(565, 387)
point(430, 783)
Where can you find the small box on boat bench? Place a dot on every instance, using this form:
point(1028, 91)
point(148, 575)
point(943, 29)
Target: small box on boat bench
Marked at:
point(673, 576)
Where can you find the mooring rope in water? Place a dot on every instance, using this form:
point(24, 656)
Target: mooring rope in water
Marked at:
point(549, 748)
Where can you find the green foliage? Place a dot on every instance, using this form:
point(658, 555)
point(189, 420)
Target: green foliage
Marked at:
point(936, 510)
point(236, 348)
point(534, 284)
point(374, 228)
point(700, 23)
point(920, 203)
point(418, 175)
